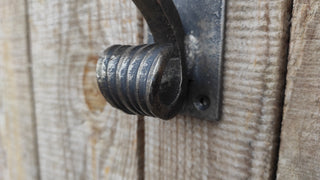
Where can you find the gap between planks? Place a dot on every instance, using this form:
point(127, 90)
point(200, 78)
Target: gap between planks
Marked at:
point(140, 122)
point(277, 149)
point(32, 99)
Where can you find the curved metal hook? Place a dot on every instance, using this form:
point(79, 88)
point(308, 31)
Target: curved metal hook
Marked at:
point(148, 79)
point(163, 20)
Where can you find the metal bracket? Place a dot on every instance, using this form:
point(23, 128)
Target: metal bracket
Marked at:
point(204, 24)
point(180, 72)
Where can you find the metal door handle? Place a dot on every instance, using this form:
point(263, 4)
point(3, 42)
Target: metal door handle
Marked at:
point(144, 80)
point(147, 79)
point(154, 79)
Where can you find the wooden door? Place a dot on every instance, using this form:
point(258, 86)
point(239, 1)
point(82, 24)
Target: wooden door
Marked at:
point(54, 124)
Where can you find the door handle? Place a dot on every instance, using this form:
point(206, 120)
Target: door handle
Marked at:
point(159, 79)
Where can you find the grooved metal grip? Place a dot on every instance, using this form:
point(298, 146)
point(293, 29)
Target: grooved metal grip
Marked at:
point(144, 80)
point(180, 72)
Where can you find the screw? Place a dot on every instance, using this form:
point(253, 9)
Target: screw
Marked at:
point(202, 103)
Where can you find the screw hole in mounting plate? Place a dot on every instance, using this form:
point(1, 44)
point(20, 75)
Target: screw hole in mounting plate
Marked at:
point(202, 103)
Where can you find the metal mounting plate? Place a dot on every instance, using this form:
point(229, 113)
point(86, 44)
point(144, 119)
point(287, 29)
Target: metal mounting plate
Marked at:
point(204, 24)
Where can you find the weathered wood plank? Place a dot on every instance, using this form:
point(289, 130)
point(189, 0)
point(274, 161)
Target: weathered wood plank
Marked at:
point(299, 150)
point(80, 136)
point(243, 144)
point(18, 149)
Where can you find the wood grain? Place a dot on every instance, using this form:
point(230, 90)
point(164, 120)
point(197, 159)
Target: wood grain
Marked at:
point(299, 151)
point(243, 144)
point(80, 135)
point(18, 144)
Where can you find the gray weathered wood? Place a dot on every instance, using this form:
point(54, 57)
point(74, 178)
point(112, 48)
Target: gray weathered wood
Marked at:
point(243, 144)
point(80, 135)
point(18, 148)
point(300, 136)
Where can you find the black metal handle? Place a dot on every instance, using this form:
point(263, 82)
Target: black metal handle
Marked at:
point(143, 80)
point(182, 68)
point(147, 79)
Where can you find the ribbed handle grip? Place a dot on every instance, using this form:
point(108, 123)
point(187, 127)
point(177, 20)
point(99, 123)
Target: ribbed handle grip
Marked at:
point(143, 80)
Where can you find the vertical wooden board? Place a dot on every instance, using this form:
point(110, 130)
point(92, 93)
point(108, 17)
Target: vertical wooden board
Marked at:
point(3, 164)
point(299, 149)
point(80, 135)
point(18, 149)
point(243, 144)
